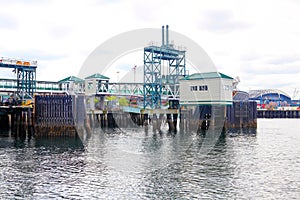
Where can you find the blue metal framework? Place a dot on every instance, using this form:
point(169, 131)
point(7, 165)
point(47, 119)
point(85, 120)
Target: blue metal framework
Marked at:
point(152, 87)
point(176, 70)
point(26, 74)
point(26, 79)
point(153, 84)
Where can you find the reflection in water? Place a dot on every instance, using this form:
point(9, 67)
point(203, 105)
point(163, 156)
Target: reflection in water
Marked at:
point(136, 164)
point(31, 167)
point(234, 132)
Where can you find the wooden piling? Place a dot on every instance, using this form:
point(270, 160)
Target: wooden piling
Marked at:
point(278, 114)
point(169, 121)
point(241, 114)
point(54, 115)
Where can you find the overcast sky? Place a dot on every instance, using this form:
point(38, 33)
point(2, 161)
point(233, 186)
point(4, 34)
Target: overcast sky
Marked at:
point(257, 40)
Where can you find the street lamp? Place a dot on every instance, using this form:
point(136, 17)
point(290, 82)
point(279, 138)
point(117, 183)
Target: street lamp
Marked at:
point(134, 71)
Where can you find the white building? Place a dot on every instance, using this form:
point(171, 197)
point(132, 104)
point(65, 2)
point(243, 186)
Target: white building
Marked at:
point(72, 84)
point(96, 83)
point(212, 88)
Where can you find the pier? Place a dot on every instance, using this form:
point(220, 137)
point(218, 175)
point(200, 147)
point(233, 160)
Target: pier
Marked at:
point(60, 115)
point(54, 115)
point(18, 120)
point(173, 97)
point(278, 114)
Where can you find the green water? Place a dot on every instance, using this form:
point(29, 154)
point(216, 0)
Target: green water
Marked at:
point(134, 164)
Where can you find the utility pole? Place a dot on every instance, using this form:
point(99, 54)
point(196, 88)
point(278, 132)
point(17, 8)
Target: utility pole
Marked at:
point(134, 71)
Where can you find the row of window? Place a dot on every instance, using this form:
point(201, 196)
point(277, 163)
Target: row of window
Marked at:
point(199, 88)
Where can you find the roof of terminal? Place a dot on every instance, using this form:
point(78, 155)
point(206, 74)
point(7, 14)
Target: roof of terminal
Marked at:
point(97, 76)
point(71, 79)
point(207, 75)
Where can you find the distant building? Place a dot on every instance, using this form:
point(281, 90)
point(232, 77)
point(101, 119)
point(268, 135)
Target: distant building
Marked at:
point(239, 95)
point(270, 97)
point(212, 88)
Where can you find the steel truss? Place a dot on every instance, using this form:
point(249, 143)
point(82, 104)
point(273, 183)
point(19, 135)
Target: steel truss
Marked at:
point(26, 73)
point(156, 85)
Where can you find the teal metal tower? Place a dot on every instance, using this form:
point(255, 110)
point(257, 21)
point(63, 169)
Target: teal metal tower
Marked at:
point(154, 81)
point(26, 79)
point(26, 73)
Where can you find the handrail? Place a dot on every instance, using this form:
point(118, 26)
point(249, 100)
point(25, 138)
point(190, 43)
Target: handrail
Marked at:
point(20, 62)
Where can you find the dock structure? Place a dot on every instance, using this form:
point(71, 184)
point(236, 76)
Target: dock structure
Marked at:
point(241, 114)
point(194, 102)
point(26, 73)
point(17, 119)
point(278, 114)
point(154, 80)
point(54, 115)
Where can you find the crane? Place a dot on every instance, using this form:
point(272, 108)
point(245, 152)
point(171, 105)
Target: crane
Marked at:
point(296, 91)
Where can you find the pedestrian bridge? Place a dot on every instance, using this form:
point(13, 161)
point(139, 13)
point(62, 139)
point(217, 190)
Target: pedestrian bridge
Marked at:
point(115, 88)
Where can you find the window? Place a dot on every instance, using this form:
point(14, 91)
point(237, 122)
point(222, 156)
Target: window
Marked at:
point(227, 87)
point(90, 85)
point(194, 88)
point(199, 88)
point(203, 87)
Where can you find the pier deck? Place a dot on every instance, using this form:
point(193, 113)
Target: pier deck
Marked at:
point(17, 118)
point(278, 113)
point(60, 115)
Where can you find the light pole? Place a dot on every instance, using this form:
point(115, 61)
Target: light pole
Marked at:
point(134, 71)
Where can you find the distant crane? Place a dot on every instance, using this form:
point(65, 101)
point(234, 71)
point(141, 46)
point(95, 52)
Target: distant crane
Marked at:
point(296, 91)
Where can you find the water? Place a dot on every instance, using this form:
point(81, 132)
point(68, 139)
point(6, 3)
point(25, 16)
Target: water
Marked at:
point(139, 165)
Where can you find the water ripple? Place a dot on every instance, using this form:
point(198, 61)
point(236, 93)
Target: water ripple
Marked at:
point(139, 165)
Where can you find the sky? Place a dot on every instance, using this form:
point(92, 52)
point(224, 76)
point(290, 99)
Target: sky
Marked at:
point(256, 40)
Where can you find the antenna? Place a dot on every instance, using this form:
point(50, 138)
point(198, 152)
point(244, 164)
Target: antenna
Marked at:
point(163, 36)
point(167, 35)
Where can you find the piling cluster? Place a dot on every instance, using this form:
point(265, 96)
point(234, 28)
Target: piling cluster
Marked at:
point(54, 115)
point(241, 114)
point(278, 114)
point(60, 115)
point(19, 119)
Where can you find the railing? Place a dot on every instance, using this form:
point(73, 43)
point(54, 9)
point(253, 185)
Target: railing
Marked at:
point(7, 84)
point(21, 62)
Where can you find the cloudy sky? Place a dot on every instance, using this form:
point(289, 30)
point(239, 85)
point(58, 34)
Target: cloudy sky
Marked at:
point(257, 40)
